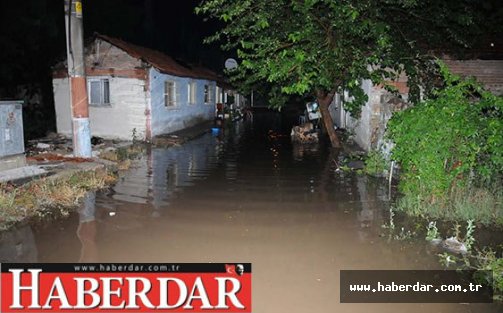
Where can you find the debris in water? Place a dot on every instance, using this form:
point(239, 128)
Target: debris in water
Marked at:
point(304, 134)
point(453, 245)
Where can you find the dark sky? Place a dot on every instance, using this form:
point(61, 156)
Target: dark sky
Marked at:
point(166, 25)
point(32, 40)
point(32, 34)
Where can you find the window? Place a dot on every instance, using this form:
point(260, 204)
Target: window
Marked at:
point(99, 91)
point(169, 93)
point(219, 97)
point(191, 92)
point(208, 94)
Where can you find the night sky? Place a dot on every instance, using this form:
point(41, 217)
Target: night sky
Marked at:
point(168, 26)
point(32, 40)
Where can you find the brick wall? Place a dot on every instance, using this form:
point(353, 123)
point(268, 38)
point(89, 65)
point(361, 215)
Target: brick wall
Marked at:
point(488, 72)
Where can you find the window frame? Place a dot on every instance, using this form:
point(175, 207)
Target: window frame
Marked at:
point(191, 92)
point(209, 93)
point(103, 81)
point(171, 103)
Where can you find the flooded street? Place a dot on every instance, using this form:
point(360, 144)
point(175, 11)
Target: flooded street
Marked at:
point(246, 196)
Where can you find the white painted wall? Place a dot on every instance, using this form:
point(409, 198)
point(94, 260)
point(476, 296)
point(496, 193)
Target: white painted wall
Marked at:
point(128, 102)
point(368, 130)
point(362, 127)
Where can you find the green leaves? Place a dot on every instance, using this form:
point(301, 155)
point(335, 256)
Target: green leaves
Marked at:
point(454, 139)
point(303, 46)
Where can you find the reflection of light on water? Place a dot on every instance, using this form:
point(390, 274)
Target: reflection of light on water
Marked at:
point(312, 188)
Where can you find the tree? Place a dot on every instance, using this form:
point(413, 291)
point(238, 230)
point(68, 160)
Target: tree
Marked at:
point(324, 46)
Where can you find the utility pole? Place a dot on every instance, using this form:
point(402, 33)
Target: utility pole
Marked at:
point(77, 77)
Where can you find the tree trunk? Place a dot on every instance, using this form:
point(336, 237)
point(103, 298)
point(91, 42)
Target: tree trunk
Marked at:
point(324, 102)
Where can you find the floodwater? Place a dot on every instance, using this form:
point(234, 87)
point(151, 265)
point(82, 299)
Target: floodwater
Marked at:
point(246, 196)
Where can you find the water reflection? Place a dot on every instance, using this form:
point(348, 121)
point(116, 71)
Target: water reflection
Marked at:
point(163, 172)
point(86, 232)
point(18, 245)
point(245, 195)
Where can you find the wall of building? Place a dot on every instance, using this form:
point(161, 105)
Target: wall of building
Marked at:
point(102, 55)
point(368, 130)
point(488, 72)
point(167, 119)
point(125, 114)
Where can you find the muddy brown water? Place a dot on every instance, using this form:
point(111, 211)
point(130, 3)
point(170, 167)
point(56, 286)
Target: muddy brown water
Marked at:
point(246, 196)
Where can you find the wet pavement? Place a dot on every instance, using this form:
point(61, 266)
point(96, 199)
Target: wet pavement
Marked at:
point(246, 196)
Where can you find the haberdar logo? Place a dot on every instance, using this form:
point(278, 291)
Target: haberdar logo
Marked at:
point(105, 287)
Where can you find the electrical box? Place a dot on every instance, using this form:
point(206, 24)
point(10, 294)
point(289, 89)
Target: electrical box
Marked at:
point(11, 134)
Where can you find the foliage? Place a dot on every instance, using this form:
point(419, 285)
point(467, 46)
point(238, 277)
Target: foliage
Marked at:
point(486, 260)
point(393, 233)
point(376, 164)
point(469, 240)
point(323, 45)
point(432, 231)
point(450, 142)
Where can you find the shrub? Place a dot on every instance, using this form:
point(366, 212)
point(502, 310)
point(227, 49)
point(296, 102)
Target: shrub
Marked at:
point(376, 164)
point(452, 140)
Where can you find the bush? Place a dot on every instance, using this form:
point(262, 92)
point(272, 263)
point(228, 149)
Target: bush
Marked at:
point(376, 164)
point(450, 149)
point(452, 140)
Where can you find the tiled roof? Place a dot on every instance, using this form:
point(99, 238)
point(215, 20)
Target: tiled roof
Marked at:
point(161, 61)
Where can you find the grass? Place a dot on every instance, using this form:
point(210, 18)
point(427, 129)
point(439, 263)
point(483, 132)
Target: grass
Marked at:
point(123, 155)
point(47, 196)
point(484, 206)
point(59, 196)
point(477, 204)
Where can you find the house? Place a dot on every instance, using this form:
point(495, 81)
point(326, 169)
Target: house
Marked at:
point(369, 128)
point(137, 92)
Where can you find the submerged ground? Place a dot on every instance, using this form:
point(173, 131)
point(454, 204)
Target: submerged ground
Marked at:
point(246, 195)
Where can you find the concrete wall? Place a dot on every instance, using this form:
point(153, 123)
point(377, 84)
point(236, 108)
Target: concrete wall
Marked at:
point(182, 114)
point(368, 130)
point(126, 112)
